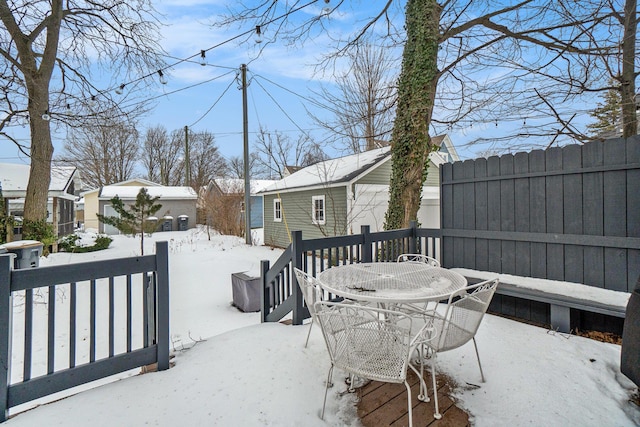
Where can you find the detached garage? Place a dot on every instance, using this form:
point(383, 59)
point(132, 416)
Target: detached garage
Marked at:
point(178, 210)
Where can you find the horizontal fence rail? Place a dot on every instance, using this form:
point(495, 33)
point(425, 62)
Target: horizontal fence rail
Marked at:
point(94, 319)
point(280, 292)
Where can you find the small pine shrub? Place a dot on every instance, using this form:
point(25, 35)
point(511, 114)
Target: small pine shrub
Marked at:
point(70, 244)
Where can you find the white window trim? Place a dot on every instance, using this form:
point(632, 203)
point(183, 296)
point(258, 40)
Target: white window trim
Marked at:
point(275, 210)
point(314, 220)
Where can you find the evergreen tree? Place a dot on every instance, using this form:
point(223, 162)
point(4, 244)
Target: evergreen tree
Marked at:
point(135, 219)
point(608, 114)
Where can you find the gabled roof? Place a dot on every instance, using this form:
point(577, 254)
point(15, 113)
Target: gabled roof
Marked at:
point(143, 182)
point(332, 172)
point(236, 185)
point(129, 192)
point(447, 150)
point(15, 178)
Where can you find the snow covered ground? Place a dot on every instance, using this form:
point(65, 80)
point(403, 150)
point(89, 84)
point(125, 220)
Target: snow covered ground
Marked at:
point(232, 370)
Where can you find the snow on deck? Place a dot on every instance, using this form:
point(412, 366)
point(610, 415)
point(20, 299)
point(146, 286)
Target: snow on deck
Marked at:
point(557, 287)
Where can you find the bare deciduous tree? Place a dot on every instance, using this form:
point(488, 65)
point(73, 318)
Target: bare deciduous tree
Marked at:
point(222, 208)
point(162, 156)
point(476, 60)
point(236, 167)
point(104, 153)
point(363, 103)
point(275, 150)
point(205, 159)
point(47, 49)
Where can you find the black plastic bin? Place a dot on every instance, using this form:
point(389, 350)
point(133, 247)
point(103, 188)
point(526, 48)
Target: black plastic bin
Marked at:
point(167, 223)
point(183, 223)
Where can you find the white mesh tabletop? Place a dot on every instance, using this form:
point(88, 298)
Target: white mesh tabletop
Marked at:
point(391, 282)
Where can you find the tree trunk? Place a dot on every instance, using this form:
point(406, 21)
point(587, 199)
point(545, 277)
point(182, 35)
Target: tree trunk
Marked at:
point(410, 141)
point(35, 205)
point(37, 70)
point(628, 87)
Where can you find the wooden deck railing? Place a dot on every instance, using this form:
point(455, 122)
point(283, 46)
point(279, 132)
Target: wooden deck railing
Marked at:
point(280, 293)
point(95, 319)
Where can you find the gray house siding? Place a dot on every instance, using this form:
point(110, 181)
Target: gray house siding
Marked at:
point(296, 208)
point(173, 208)
point(382, 175)
point(433, 176)
point(379, 175)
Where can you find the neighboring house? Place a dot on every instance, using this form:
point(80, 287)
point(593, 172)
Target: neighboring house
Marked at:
point(90, 207)
point(288, 170)
point(337, 196)
point(178, 210)
point(60, 204)
point(233, 191)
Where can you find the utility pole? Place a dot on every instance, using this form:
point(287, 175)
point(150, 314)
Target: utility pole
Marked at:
point(247, 178)
point(187, 163)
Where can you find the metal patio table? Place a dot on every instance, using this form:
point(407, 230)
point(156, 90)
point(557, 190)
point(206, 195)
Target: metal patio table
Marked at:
point(391, 282)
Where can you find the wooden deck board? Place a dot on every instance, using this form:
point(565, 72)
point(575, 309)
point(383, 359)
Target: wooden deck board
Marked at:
point(384, 404)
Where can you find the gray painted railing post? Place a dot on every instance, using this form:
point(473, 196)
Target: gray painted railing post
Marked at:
point(162, 263)
point(296, 262)
point(366, 243)
point(412, 240)
point(265, 304)
point(5, 332)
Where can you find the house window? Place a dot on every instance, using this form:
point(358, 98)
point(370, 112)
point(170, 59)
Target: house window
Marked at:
point(277, 210)
point(317, 210)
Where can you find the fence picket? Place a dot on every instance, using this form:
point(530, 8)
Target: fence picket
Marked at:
point(53, 279)
point(6, 310)
point(72, 323)
point(51, 329)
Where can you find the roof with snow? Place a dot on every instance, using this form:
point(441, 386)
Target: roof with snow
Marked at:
point(141, 181)
point(130, 192)
point(333, 171)
point(234, 185)
point(15, 177)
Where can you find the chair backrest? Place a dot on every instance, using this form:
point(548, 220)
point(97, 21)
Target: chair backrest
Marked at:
point(465, 311)
point(311, 291)
point(419, 258)
point(361, 340)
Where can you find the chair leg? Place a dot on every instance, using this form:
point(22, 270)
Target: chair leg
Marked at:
point(406, 384)
point(308, 333)
point(437, 415)
point(424, 392)
point(478, 356)
point(326, 390)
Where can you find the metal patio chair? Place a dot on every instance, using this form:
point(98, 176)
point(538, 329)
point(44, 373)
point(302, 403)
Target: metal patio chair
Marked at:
point(419, 258)
point(458, 325)
point(425, 259)
point(362, 342)
point(311, 292)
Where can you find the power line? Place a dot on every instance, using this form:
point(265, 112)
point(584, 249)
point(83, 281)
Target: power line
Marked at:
point(214, 104)
point(229, 40)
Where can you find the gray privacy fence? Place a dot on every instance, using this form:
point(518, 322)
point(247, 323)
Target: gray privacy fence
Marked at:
point(94, 319)
point(570, 213)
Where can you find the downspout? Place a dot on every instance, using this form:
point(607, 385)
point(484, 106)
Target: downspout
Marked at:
point(350, 202)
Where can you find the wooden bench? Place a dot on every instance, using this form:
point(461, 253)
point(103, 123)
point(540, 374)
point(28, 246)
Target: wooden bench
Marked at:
point(561, 296)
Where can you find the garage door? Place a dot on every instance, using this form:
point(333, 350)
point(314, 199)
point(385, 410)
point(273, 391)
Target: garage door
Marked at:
point(110, 229)
point(370, 207)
